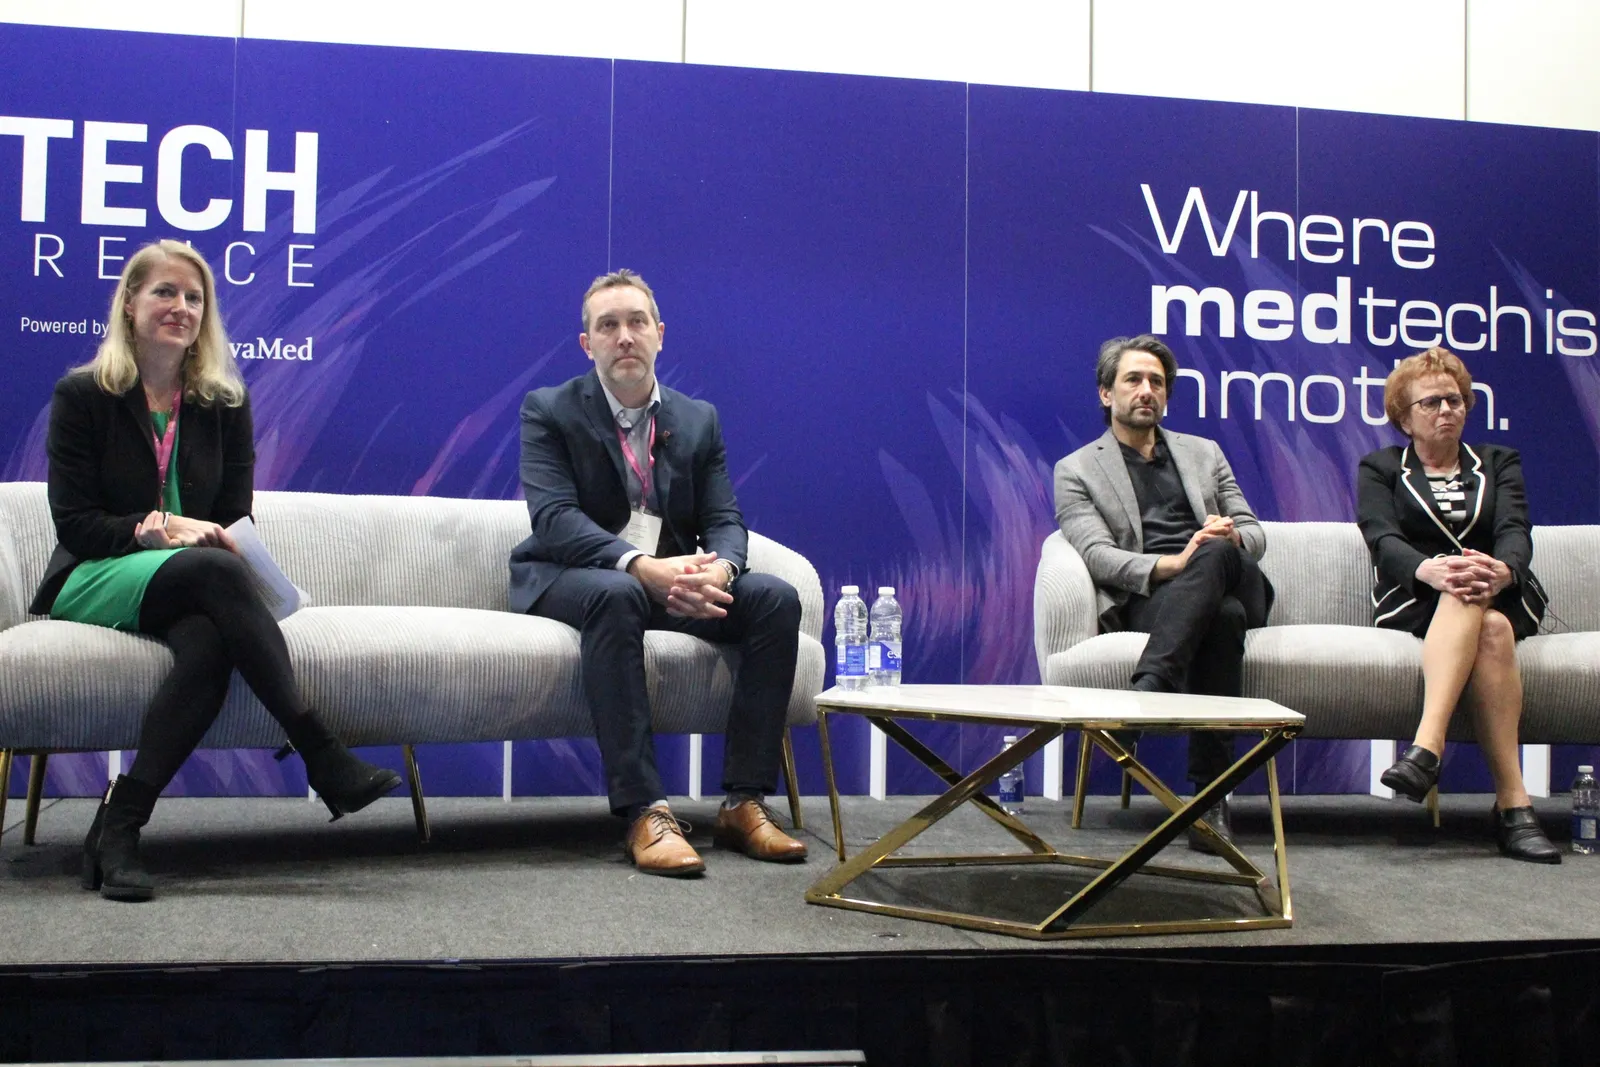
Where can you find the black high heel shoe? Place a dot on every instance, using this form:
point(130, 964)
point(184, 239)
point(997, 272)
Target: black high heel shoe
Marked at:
point(1413, 774)
point(345, 782)
point(1519, 835)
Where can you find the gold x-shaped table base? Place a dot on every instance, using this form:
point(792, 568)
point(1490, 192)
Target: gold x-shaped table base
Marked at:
point(1064, 921)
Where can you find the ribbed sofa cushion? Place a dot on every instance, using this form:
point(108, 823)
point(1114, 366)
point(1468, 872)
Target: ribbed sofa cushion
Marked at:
point(1567, 561)
point(1345, 680)
point(1321, 572)
point(1561, 688)
point(405, 639)
point(1348, 681)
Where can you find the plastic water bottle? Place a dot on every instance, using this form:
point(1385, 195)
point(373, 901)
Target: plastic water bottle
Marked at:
point(850, 639)
point(1011, 789)
point(1585, 812)
point(883, 651)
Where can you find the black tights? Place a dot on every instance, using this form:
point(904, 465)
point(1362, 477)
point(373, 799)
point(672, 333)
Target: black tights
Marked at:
point(202, 605)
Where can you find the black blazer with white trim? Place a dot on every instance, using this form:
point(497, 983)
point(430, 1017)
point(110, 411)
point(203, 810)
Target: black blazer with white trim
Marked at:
point(1402, 527)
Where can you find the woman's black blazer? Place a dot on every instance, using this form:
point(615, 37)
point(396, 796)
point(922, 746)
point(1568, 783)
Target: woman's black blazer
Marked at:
point(103, 471)
point(1395, 509)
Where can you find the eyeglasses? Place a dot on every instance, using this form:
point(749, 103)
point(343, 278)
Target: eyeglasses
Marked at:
point(1432, 404)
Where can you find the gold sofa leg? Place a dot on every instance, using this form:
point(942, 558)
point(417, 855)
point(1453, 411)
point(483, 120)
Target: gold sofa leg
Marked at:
point(36, 767)
point(5, 784)
point(419, 804)
point(1081, 789)
point(1432, 801)
point(789, 780)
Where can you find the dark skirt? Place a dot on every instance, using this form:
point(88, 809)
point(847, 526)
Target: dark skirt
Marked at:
point(1523, 612)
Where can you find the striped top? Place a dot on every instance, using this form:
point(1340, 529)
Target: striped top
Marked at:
point(1450, 498)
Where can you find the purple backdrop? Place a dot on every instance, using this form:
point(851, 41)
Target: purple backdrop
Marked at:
point(893, 291)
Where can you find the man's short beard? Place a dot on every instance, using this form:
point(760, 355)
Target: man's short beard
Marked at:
point(1129, 420)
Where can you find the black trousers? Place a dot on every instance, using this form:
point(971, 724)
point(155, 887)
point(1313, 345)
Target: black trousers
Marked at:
point(611, 612)
point(1196, 622)
point(202, 604)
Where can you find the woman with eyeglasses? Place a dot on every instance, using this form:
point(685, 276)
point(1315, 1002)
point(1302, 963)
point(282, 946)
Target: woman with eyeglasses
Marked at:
point(1447, 524)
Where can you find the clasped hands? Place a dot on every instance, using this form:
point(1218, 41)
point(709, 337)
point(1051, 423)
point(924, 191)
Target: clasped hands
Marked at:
point(1214, 527)
point(165, 530)
point(1472, 578)
point(691, 587)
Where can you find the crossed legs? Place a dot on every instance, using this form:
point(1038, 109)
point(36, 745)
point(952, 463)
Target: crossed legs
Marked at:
point(1197, 623)
point(1471, 648)
point(201, 603)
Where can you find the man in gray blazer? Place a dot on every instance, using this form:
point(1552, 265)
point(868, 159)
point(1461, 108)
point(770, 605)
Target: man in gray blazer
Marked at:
point(1168, 539)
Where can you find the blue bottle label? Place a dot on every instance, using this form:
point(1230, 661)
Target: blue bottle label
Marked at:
point(1584, 828)
point(854, 664)
point(886, 656)
point(1011, 788)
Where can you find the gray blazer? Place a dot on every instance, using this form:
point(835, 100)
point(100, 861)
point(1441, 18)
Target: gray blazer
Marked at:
point(1099, 515)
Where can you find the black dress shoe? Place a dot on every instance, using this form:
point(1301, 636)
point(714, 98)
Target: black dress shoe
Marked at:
point(1220, 817)
point(1520, 836)
point(1413, 774)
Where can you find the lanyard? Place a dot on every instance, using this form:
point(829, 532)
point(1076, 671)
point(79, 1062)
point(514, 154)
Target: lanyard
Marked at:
point(645, 484)
point(165, 442)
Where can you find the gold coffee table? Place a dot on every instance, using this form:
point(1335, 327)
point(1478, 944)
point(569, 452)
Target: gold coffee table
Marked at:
point(1040, 713)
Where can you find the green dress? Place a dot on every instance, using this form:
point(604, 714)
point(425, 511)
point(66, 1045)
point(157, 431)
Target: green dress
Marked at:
point(109, 592)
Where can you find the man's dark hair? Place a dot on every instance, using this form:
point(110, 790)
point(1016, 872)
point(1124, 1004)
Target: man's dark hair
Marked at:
point(1105, 368)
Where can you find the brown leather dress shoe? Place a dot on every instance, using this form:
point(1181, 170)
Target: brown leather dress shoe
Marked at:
point(749, 828)
point(656, 845)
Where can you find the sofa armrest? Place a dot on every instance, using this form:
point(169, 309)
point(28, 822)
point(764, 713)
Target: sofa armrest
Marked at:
point(13, 593)
point(769, 557)
point(1064, 605)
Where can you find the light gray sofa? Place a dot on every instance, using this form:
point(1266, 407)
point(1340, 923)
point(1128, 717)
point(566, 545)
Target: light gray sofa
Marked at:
point(1319, 653)
point(407, 639)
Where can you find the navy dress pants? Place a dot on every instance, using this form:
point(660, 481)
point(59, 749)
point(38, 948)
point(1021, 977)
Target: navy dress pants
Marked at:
point(611, 612)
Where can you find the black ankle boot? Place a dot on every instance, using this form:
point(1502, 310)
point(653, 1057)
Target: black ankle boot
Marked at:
point(1519, 835)
point(1413, 774)
point(111, 860)
point(345, 783)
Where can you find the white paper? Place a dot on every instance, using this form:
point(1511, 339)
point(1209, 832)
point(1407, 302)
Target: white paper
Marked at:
point(281, 596)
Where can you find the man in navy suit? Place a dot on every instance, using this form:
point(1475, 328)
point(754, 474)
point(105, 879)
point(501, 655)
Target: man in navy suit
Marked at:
point(635, 527)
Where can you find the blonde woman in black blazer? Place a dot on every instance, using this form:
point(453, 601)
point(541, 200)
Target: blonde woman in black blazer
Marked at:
point(151, 457)
point(1447, 524)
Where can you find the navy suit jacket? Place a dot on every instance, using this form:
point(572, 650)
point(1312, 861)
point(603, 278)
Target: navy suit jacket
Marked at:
point(575, 483)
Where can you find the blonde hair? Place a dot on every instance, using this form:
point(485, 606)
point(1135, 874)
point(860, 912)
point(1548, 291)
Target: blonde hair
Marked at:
point(1436, 360)
point(209, 372)
point(613, 280)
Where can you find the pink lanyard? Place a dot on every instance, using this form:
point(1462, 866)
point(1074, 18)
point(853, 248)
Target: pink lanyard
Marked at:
point(164, 444)
point(645, 485)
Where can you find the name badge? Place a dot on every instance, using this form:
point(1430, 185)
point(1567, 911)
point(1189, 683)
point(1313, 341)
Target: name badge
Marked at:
point(643, 531)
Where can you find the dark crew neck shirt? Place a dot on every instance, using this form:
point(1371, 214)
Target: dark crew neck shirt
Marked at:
point(1164, 510)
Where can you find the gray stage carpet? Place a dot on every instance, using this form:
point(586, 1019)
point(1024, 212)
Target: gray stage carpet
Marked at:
point(272, 881)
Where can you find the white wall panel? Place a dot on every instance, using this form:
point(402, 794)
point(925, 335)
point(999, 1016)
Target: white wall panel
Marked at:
point(1397, 57)
point(618, 29)
point(1533, 62)
point(1041, 43)
point(207, 18)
